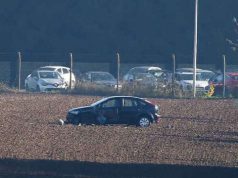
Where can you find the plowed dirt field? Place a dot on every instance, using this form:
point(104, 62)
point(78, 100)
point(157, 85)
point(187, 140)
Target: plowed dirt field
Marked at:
point(194, 132)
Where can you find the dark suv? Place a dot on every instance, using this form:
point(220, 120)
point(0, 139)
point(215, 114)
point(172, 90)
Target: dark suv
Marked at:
point(231, 83)
point(116, 109)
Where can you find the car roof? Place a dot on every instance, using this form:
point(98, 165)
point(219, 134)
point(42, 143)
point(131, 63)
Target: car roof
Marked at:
point(132, 97)
point(187, 69)
point(232, 73)
point(185, 72)
point(98, 72)
point(54, 67)
point(191, 70)
point(46, 71)
point(147, 68)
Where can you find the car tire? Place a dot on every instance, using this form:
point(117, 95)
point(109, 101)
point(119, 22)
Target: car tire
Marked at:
point(144, 121)
point(101, 120)
point(37, 88)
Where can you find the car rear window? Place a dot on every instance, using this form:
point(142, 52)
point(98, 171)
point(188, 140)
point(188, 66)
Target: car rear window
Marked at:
point(129, 102)
point(143, 103)
point(46, 68)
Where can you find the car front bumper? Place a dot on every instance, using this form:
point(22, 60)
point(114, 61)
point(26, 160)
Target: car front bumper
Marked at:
point(52, 88)
point(71, 118)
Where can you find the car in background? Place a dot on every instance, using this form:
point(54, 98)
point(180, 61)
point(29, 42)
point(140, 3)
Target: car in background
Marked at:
point(205, 74)
point(64, 73)
point(185, 81)
point(44, 80)
point(116, 109)
point(145, 79)
point(100, 78)
point(231, 83)
point(160, 75)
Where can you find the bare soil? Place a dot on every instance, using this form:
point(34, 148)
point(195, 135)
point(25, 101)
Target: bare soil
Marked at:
point(195, 132)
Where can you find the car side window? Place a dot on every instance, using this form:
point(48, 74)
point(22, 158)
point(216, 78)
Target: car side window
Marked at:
point(59, 70)
point(129, 103)
point(110, 103)
point(65, 71)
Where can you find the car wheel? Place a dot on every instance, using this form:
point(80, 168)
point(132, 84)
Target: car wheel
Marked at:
point(144, 121)
point(37, 88)
point(101, 119)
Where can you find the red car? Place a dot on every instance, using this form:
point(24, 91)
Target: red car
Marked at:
point(231, 84)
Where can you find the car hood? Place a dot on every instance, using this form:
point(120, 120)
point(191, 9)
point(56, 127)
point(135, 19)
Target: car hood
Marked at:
point(198, 83)
point(82, 109)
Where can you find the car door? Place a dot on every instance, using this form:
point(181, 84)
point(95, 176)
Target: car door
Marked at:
point(109, 109)
point(128, 111)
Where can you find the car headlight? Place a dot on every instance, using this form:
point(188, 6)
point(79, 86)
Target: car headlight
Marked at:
point(43, 83)
point(157, 108)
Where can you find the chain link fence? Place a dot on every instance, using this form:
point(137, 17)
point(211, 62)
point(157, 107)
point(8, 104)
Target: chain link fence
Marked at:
point(16, 67)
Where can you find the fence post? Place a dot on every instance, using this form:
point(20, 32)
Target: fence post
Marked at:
point(19, 71)
point(224, 76)
point(173, 75)
point(71, 70)
point(118, 70)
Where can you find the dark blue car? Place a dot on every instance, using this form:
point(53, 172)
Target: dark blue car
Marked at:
point(116, 109)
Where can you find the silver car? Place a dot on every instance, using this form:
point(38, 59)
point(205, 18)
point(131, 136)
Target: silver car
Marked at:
point(100, 78)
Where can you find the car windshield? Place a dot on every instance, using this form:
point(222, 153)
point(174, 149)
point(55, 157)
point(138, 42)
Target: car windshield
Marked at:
point(188, 76)
point(206, 75)
point(49, 75)
point(156, 73)
point(99, 101)
point(102, 77)
point(144, 76)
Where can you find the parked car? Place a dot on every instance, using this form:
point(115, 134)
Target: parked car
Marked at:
point(64, 73)
point(44, 80)
point(100, 78)
point(145, 79)
point(231, 83)
point(160, 75)
point(205, 74)
point(116, 109)
point(185, 81)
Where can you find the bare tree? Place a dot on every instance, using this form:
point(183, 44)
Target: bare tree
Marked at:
point(234, 43)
